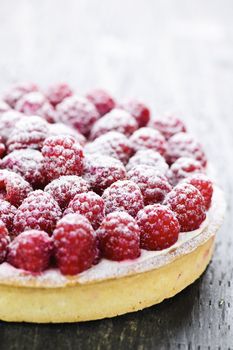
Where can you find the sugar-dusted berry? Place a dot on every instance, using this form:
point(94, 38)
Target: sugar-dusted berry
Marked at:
point(63, 155)
point(119, 237)
point(148, 138)
point(123, 196)
point(159, 227)
point(31, 251)
point(7, 214)
point(102, 100)
point(59, 129)
point(184, 145)
point(182, 168)
point(78, 112)
point(204, 185)
point(188, 204)
point(116, 120)
point(168, 125)
point(89, 204)
point(154, 187)
point(39, 211)
point(113, 144)
point(28, 163)
point(4, 241)
point(101, 171)
point(138, 110)
point(17, 91)
point(150, 158)
point(56, 93)
point(8, 121)
point(75, 244)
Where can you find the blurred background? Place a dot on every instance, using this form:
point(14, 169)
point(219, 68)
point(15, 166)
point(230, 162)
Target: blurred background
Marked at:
point(175, 55)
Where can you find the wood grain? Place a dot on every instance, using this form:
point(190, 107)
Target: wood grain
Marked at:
point(175, 55)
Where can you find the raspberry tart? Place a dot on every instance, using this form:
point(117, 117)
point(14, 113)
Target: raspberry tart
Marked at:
point(105, 209)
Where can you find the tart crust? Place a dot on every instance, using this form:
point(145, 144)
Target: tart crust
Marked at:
point(126, 287)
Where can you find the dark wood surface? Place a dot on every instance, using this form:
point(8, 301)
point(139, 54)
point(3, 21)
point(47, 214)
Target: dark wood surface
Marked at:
point(176, 55)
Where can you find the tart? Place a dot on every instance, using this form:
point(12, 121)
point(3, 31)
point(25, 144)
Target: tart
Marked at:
point(104, 209)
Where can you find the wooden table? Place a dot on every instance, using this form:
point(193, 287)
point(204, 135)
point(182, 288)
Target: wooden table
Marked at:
point(176, 55)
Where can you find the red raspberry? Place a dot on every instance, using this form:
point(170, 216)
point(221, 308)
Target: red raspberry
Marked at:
point(168, 125)
point(116, 120)
point(88, 204)
point(204, 185)
point(8, 121)
point(150, 158)
point(113, 144)
point(4, 241)
point(4, 107)
point(119, 237)
point(28, 163)
point(17, 91)
point(101, 171)
point(78, 112)
point(182, 168)
point(159, 227)
point(184, 145)
point(31, 251)
point(39, 211)
point(59, 129)
point(63, 155)
point(123, 196)
point(56, 93)
point(65, 188)
point(7, 214)
point(138, 110)
point(102, 100)
point(147, 138)
point(153, 186)
point(28, 133)
point(13, 188)
point(75, 244)
point(34, 103)
point(188, 204)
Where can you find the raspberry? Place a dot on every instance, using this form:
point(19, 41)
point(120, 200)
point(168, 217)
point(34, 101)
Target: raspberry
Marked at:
point(39, 211)
point(34, 103)
point(17, 91)
point(28, 133)
point(184, 145)
point(150, 158)
point(182, 168)
point(113, 144)
point(123, 196)
point(4, 107)
point(28, 163)
point(116, 120)
point(65, 188)
point(63, 155)
point(159, 227)
point(101, 171)
point(8, 121)
point(188, 204)
point(56, 93)
point(153, 186)
point(78, 112)
point(4, 241)
point(7, 214)
point(119, 237)
point(31, 251)
point(59, 129)
point(88, 204)
point(138, 110)
point(75, 244)
point(168, 125)
point(204, 185)
point(147, 138)
point(13, 188)
point(102, 100)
